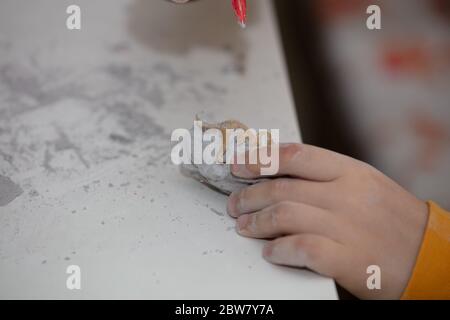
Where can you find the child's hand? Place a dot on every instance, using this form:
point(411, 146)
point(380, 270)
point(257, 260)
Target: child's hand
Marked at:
point(334, 215)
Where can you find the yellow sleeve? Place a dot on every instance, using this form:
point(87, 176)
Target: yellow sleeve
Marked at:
point(431, 275)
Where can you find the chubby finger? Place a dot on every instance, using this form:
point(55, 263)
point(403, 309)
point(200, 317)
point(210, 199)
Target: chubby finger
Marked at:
point(264, 194)
point(300, 160)
point(315, 252)
point(286, 218)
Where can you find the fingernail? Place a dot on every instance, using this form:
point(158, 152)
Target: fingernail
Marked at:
point(241, 170)
point(242, 222)
point(232, 207)
point(284, 254)
point(267, 250)
point(271, 253)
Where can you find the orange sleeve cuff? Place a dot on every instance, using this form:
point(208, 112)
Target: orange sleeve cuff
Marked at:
point(431, 275)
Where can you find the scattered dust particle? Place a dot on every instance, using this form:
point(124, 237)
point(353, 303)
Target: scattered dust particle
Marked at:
point(120, 138)
point(205, 253)
point(74, 211)
point(33, 193)
point(110, 185)
point(152, 200)
point(44, 262)
point(219, 213)
point(103, 222)
point(67, 258)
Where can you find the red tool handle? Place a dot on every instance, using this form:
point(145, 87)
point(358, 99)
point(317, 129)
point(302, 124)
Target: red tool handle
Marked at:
point(240, 8)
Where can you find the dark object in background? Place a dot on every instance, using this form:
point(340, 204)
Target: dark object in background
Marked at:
point(442, 7)
point(320, 112)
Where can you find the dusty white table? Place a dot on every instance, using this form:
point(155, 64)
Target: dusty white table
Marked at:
point(85, 175)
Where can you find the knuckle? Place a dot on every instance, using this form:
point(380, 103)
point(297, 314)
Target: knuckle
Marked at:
point(374, 174)
point(366, 171)
point(312, 248)
point(368, 185)
point(291, 150)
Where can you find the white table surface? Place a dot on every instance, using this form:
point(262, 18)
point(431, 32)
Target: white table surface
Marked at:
point(85, 124)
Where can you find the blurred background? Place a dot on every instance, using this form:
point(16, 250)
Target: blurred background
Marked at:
point(381, 96)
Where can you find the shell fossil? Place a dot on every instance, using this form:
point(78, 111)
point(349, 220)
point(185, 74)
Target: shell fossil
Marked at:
point(218, 176)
